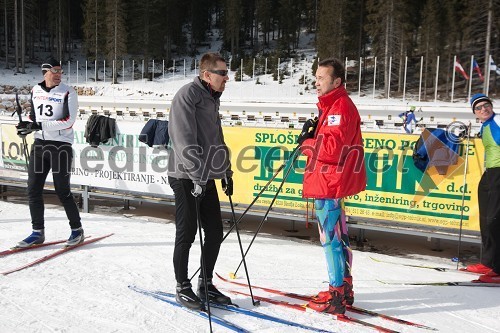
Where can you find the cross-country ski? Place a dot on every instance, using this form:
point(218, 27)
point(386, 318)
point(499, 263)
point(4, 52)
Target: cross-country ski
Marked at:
point(54, 254)
point(350, 308)
point(201, 313)
point(15, 249)
point(473, 283)
point(252, 313)
point(304, 308)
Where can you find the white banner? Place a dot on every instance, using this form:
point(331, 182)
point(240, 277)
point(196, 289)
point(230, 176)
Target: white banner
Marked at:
point(1, 149)
point(123, 163)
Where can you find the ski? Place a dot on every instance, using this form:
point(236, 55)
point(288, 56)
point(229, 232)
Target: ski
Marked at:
point(54, 254)
point(439, 269)
point(251, 313)
point(201, 313)
point(32, 247)
point(350, 308)
point(473, 283)
point(304, 308)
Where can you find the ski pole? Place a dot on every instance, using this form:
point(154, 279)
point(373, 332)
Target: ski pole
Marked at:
point(19, 112)
point(254, 302)
point(294, 151)
point(203, 264)
point(463, 193)
point(233, 275)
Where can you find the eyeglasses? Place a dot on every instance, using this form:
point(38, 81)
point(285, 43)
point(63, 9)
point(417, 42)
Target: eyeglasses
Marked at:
point(56, 71)
point(220, 72)
point(485, 105)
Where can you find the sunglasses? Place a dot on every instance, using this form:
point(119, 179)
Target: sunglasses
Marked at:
point(56, 70)
point(485, 105)
point(220, 72)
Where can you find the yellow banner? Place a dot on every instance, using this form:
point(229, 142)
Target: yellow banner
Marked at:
point(13, 148)
point(257, 155)
point(396, 190)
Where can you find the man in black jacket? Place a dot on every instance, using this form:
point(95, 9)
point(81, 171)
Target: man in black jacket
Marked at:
point(198, 156)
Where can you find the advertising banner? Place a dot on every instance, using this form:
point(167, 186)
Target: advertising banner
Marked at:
point(396, 190)
point(13, 157)
point(123, 163)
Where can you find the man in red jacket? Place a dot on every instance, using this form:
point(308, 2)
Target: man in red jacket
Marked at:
point(335, 169)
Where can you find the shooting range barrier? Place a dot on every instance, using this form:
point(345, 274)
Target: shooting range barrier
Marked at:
point(399, 198)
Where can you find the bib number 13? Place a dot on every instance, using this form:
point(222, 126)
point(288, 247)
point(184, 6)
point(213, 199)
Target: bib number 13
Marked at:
point(48, 110)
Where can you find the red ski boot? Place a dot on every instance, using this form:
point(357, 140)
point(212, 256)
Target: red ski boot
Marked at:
point(490, 277)
point(348, 292)
point(478, 268)
point(332, 302)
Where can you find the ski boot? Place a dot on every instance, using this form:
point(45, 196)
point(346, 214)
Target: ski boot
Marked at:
point(214, 294)
point(36, 237)
point(332, 302)
point(185, 296)
point(348, 292)
point(76, 237)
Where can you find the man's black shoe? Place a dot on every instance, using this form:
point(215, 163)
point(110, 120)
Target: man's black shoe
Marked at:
point(186, 296)
point(214, 295)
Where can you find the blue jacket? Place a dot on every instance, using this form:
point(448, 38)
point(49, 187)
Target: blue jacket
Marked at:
point(155, 133)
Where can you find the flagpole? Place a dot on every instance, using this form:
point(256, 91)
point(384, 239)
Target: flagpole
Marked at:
point(437, 79)
point(470, 75)
point(486, 86)
point(453, 77)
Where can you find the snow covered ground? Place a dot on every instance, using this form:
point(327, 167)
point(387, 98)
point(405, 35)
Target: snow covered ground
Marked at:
point(86, 290)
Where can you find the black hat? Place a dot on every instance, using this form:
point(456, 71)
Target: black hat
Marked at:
point(48, 64)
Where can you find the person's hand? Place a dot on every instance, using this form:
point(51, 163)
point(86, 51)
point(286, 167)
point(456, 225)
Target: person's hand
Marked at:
point(26, 127)
point(198, 190)
point(307, 130)
point(227, 185)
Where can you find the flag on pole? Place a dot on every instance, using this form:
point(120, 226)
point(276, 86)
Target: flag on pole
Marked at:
point(460, 69)
point(493, 67)
point(475, 66)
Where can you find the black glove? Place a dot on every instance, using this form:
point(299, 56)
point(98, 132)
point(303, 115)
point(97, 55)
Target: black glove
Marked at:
point(198, 190)
point(227, 185)
point(26, 127)
point(307, 130)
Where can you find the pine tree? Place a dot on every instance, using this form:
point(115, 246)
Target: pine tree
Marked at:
point(232, 25)
point(388, 25)
point(430, 45)
point(263, 16)
point(289, 23)
point(330, 38)
point(144, 40)
point(116, 38)
point(93, 28)
point(200, 22)
point(175, 15)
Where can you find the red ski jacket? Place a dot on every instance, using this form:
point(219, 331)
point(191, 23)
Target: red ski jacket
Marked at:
point(335, 157)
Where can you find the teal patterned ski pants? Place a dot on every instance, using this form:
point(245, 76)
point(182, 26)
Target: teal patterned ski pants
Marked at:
point(334, 238)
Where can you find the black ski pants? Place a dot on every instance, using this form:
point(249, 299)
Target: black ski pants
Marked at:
point(58, 157)
point(187, 226)
point(489, 217)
